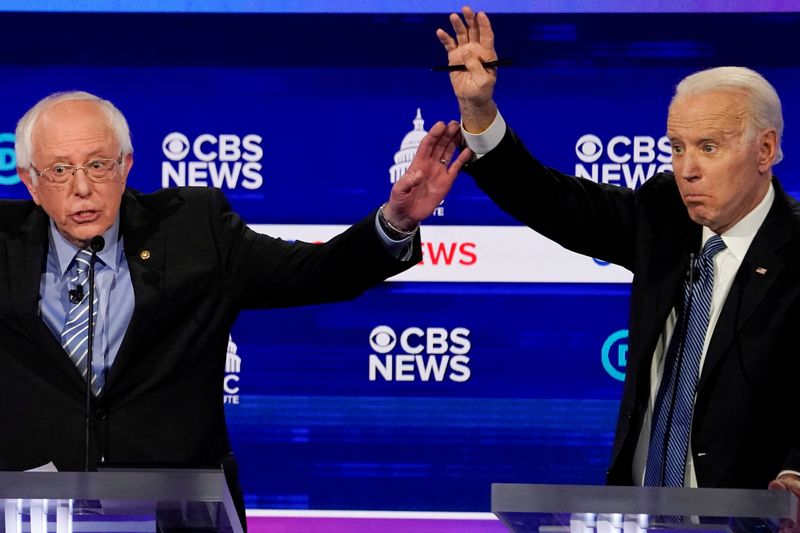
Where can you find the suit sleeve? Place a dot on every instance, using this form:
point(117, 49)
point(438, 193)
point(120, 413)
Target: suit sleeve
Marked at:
point(262, 271)
point(588, 218)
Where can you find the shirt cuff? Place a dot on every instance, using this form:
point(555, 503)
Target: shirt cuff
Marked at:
point(482, 143)
point(401, 249)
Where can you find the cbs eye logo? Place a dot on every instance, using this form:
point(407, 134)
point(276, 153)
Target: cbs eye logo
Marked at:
point(382, 339)
point(176, 146)
point(589, 148)
point(8, 160)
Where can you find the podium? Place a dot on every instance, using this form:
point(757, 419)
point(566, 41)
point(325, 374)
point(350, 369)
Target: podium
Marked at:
point(606, 509)
point(122, 501)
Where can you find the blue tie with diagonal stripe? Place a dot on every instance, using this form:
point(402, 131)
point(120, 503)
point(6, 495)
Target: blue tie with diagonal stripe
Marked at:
point(672, 414)
point(75, 336)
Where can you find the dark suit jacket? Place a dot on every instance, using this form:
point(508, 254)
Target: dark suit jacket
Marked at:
point(745, 428)
point(161, 404)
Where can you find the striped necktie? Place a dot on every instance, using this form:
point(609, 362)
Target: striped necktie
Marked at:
point(672, 414)
point(75, 336)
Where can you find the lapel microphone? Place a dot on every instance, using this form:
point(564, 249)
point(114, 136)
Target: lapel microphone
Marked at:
point(95, 245)
point(692, 271)
point(76, 295)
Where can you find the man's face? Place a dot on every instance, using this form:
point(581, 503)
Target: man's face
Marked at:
point(75, 132)
point(721, 173)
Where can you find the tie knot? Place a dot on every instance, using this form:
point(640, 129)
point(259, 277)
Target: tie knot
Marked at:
point(713, 246)
point(82, 260)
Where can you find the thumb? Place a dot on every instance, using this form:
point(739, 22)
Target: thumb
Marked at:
point(777, 484)
point(410, 179)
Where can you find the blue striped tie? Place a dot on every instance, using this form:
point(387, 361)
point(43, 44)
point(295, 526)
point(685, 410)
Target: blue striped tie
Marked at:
point(74, 337)
point(672, 414)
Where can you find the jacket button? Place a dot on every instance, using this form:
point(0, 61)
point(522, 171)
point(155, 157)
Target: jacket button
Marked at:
point(99, 414)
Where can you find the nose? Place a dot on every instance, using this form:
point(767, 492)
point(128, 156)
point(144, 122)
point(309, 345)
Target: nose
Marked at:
point(81, 184)
point(687, 166)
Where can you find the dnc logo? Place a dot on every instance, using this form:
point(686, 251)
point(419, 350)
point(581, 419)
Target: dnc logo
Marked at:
point(615, 354)
point(8, 160)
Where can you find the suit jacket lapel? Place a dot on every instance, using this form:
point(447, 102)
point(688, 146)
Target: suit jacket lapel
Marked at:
point(662, 292)
point(26, 257)
point(145, 253)
point(759, 269)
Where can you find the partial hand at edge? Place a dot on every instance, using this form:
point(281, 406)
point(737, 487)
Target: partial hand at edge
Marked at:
point(429, 177)
point(791, 483)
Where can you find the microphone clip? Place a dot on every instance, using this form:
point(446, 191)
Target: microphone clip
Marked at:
point(76, 295)
point(692, 271)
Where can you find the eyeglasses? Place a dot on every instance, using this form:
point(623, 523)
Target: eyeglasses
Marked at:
point(97, 170)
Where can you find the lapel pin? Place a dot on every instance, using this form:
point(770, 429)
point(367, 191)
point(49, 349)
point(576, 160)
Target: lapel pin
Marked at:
point(761, 270)
point(144, 255)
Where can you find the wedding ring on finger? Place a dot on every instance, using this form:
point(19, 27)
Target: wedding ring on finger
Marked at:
point(444, 161)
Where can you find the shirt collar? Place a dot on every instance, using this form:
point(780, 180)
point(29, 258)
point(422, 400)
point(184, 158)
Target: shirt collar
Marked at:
point(740, 235)
point(65, 250)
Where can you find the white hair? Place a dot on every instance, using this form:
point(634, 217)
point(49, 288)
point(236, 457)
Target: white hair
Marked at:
point(24, 134)
point(761, 100)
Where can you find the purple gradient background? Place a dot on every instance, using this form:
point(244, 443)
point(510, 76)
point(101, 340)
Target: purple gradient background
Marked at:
point(262, 524)
point(403, 6)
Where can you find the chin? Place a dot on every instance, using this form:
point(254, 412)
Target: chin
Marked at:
point(83, 236)
point(700, 217)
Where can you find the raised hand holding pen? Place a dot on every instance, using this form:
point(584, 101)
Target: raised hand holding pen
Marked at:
point(473, 44)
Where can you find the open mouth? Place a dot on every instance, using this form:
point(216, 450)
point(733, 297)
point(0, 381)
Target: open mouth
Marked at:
point(82, 217)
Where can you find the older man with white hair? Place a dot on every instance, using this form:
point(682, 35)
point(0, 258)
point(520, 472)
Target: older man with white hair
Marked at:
point(711, 380)
point(175, 269)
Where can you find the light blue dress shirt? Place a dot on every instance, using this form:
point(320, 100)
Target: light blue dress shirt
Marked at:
point(114, 289)
point(112, 285)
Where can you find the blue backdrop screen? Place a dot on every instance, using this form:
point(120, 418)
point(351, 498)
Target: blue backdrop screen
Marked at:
point(419, 394)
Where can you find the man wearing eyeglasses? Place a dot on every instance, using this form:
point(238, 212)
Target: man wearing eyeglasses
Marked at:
point(176, 268)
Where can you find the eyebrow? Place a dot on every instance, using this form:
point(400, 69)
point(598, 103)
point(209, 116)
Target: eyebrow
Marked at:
point(704, 139)
point(92, 155)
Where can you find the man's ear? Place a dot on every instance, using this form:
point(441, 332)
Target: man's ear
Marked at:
point(127, 162)
point(767, 149)
point(27, 179)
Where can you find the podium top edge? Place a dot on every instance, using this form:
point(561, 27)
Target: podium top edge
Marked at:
point(117, 484)
point(717, 502)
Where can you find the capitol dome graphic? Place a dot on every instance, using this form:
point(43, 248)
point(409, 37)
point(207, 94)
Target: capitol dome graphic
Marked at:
point(233, 370)
point(402, 159)
point(233, 363)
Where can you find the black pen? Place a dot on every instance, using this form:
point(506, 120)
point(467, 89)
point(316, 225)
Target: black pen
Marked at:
point(461, 68)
